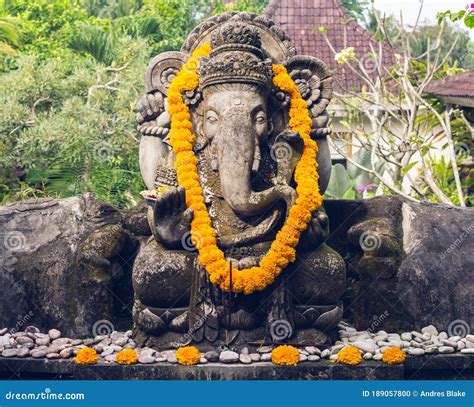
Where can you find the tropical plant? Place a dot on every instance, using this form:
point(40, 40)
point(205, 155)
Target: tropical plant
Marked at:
point(352, 182)
point(402, 125)
point(9, 36)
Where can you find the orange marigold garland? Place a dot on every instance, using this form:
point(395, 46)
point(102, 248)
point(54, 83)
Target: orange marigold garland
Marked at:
point(282, 250)
point(126, 357)
point(285, 355)
point(350, 355)
point(87, 356)
point(393, 356)
point(188, 355)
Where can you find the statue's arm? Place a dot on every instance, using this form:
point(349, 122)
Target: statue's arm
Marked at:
point(172, 219)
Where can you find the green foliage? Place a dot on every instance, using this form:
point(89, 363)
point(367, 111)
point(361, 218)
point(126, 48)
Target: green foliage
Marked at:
point(64, 133)
point(467, 16)
point(351, 182)
point(443, 173)
point(67, 100)
point(356, 8)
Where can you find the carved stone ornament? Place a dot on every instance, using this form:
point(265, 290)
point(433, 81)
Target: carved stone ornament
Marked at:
point(247, 155)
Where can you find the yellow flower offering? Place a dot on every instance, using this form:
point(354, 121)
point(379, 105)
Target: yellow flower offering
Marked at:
point(283, 249)
point(87, 356)
point(126, 357)
point(285, 355)
point(350, 355)
point(393, 356)
point(188, 355)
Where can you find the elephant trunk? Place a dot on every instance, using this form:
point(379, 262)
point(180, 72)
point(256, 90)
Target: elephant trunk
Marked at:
point(238, 153)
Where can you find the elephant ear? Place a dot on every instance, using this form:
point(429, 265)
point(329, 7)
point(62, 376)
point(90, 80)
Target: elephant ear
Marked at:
point(314, 80)
point(162, 69)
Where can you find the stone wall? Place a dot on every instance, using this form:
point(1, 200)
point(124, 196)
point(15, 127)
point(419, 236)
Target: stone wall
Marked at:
point(67, 263)
point(409, 264)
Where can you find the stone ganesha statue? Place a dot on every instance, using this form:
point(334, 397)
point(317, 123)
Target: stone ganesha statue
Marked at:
point(246, 154)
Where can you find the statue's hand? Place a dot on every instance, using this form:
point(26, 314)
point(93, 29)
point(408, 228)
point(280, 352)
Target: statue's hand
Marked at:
point(317, 231)
point(149, 107)
point(172, 219)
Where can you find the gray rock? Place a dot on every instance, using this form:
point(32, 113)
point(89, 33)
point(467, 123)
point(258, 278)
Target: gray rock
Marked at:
point(53, 355)
point(378, 356)
point(171, 358)
point(9, 353)
point(468, 351)
point(265, 349)
point(228, 356)
point(120, 341)
point(333, 357)
point(469, 338)
point(244, 351)
point(22, 352)
point(22, 340)
point(110, 358)
point(146, 358)
point(55, 233)
point(446, 349)
point(98, 348)
point(61, 341)
point(3, 331)
point(43, 341)
point(160, 358)
point(469, 345)
point(460, 345)
point(76, 342)
point(416, 351)
point(212, 356)
point(303, 357)
point(245, 359)
point(255, 357)
point(108, 350)
point(66, 353)
point(312, 350)
point(203, 361)
point(450, 343)
point(454, 338)
point(313, 358)
point(368, 356)
point(406, 336)
point(265, 357)
point(325, 353)
point(366, 346)
point(431, 350)
point(54, 334)
point(430, 329)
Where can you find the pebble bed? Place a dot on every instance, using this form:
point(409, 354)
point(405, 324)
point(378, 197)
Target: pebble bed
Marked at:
point(35, 344)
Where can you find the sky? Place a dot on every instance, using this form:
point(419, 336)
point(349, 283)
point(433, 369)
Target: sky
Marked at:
point(410, 9)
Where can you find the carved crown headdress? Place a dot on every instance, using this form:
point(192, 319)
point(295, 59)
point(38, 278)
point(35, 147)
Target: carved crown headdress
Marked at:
point(236, 56)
